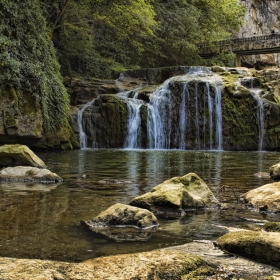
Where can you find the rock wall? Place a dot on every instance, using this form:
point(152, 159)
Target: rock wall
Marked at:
point(261, 17)
point(105, 121)
point(21, 122)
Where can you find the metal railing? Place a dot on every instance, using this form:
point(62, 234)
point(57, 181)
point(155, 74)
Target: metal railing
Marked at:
point(233, 41)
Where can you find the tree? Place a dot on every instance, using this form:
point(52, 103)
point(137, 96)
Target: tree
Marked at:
point(184, 24)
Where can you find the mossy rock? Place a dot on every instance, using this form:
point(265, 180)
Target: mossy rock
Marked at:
point(272, 226)
point(175, 196)
point(14, 155)
point(256, 245)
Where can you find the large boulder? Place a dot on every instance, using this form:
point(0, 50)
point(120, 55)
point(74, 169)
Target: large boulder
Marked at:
point(175, 196)
point(124, 222)
point(14, 155)
point(264, 198)
point(28, 174)
point(257, 245)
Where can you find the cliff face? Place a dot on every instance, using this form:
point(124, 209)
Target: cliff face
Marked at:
point(261, 17)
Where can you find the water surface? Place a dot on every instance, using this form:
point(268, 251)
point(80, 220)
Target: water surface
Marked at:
point(44, 221)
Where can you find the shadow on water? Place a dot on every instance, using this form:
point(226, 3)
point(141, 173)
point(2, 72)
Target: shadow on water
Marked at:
point(44, 221)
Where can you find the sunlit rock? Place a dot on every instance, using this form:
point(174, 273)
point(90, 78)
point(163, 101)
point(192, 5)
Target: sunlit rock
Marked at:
point(175, 196)
point(264, 198)
point(28, 174)
point(14, 155)
point(124, 223)
point(274, 172)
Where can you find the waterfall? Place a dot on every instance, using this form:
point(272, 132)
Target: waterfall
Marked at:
point(197, 123)
point(133, 124)
point(82, 134)
point(252, 84)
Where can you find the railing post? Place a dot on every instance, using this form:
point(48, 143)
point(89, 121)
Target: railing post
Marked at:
point(238, 60)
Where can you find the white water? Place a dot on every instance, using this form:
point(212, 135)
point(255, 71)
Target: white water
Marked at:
point(168, 125)
point(82, 134)
point(161, 127)
point(250, 83)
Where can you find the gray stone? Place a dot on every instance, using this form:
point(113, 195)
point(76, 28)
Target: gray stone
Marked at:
point(28, 174)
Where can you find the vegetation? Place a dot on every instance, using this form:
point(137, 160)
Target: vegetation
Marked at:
point(42, 39)
point(28, 62)
point(101, 37)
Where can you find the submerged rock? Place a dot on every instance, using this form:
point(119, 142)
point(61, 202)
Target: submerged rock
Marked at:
point(14, 155)
point(28, 174)
point(260, 246)
point(264, 198)
point(124, 223)
point(175, 196)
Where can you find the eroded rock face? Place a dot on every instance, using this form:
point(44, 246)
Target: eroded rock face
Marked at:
point(264, 198)
point(257, 245)
point(28, 174)
point(124, 222)
point(14, 155)
point(261, 17)
point(175, 196)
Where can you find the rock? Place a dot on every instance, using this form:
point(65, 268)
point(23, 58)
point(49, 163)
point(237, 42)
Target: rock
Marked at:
point(14, 155)
point(264, 198)
point(175, 196)
point(274, 172)
point(124, 222)
point(272, 226)
point(160, 264)
point(260, 246)
point(28, 174)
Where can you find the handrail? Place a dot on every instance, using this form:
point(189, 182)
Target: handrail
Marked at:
point(243, 40)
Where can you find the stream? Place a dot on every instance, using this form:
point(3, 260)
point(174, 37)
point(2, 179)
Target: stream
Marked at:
point(43, 221)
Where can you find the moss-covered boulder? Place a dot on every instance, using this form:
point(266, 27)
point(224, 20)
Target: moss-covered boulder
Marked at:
point(264, 198)
point(28, 174)
point(257, 245)
point(124, 222)
point(175, 196)
point(14, 155)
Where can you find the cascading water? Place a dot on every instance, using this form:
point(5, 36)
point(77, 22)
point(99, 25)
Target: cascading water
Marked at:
point(198, 122)
point(252, 84)
point(184, 113)
point(82, 134)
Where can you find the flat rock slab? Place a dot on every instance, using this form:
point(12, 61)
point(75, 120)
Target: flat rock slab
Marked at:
point(14, 155)
point(166, 264)
point(28, 174)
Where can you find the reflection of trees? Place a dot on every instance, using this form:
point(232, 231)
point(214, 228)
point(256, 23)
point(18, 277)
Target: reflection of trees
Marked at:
point(28, 221)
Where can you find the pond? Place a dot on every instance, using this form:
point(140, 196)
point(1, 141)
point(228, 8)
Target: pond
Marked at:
point(44, 221)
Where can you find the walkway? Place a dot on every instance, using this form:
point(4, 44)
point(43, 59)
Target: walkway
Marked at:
point(243, 46)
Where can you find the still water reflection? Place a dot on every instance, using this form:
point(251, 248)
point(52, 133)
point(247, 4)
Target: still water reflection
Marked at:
point(44, 221)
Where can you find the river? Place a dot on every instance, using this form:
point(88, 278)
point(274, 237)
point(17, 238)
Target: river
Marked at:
point(43, 222)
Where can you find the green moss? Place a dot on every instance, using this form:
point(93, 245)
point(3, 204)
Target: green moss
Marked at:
point(272, 226)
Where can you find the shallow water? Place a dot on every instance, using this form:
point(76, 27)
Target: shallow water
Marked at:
point(43, 222)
